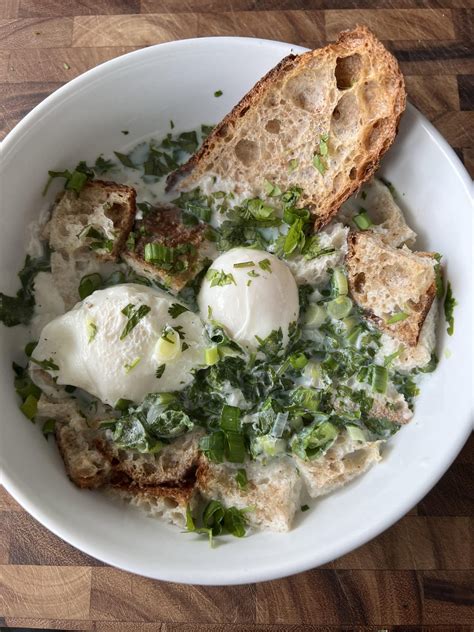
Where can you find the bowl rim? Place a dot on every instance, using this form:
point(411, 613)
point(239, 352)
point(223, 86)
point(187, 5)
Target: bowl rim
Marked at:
point(289, 566)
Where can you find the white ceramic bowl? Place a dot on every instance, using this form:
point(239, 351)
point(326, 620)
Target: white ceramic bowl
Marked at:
point(141, 92)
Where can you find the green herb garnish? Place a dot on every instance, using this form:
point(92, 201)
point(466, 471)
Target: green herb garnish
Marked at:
point(134, 314)
point(18, 310)
point(396, 318)
point(449, 305)
point(219, 277)
point(160, 370)
point(218, 93)
point(241, 478)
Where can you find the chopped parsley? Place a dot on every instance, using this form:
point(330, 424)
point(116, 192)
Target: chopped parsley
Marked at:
point(19, 309)
point(160, 370)
point(176, 310)
point(218, 93)
point(75, 180)
point(133, 314)
point(47, 365)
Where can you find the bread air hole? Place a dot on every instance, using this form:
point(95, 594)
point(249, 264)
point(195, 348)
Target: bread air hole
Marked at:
point(246, 151)
point(359, 282)
point(273, 126)
point(347, 71)
point(344, 119)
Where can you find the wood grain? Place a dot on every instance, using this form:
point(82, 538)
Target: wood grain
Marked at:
point(418, 575)
point(56, 592)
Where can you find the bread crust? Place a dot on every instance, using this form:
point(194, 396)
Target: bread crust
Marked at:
point(408, 330)
point(357, 41)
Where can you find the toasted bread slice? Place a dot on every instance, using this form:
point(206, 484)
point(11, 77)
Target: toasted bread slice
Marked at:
point(345, 460)
point(98, 219)
point(388, 222)
point(272, 491)
point(164, 225)
point(394, 286)
point(350, 92)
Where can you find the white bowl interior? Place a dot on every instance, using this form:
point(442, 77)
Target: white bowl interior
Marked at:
point(141, 92)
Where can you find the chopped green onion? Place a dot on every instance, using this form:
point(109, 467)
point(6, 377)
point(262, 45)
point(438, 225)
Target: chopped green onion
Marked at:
point(230, 418)
point(211, 355)
point(379, 378)
point(315, 316)
point(213, 446)
point(362, 220)
point(356, 434)
point(339, 307)
point(396, 318)
point(349, 323)
point(339, 282)
point(298, 360)
point(266, 265)
point(219, 277)
point(241, 478)
point(244, 264)
point(29, 407)
point(235, 447)
point(159, 253)
point(132, 365)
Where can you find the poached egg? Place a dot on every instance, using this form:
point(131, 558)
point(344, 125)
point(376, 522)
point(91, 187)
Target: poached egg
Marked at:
point(122, 343)
point(250, 293)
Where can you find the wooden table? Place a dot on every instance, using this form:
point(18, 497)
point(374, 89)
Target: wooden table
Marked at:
point(417, 573)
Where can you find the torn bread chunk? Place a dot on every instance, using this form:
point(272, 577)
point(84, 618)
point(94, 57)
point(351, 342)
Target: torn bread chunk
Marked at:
point(167, 503)
point(164, 249)
point(174, 465)
point(320, 121)
point(272, 491)
point(345, 460)
point(85, 465)
point(386, 219)
point(410, 358)
point(99, 219)
point(394, 287)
